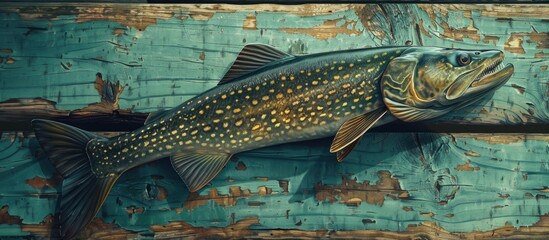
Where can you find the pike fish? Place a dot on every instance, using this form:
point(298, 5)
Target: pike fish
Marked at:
point(269, 97)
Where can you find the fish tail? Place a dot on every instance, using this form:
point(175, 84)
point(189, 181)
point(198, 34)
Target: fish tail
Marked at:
point(83, 192)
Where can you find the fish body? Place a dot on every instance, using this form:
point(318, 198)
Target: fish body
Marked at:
point(300, 99)
point(269, 97)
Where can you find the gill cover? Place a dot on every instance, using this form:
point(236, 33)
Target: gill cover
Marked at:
point(399, 85)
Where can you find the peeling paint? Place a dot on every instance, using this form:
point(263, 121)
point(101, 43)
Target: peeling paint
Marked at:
point(195, 200)
point(250, 23)
point(466, 167)
point(41, 183)
point(350, 190)
point(472, 154)
point(328, 29)
point(459, 34)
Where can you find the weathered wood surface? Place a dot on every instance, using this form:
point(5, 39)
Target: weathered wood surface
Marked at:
point(396, 185)
point(406, 184)
point(165, 54)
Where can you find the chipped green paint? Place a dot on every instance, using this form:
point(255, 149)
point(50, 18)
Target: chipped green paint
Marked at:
point(56, 54)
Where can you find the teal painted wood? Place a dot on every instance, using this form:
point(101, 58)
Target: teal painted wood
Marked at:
point(168, 54)
point(461, 182)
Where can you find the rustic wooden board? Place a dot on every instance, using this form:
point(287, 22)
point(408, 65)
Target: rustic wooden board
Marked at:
point(396, 185)
point(165, 54)
point(401, 183)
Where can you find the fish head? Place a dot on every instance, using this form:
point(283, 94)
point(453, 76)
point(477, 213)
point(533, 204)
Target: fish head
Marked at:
point(425, 83)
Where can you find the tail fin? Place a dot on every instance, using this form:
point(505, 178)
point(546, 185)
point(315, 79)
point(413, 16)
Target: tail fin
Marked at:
point(83, 192)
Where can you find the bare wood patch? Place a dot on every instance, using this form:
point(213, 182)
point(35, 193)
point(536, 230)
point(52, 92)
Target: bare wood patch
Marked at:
point(235, 193)
point(352, 193)
point(250, 23)
point(41, 183)
point(328, 29)
point(181, 229)
point(466, 167)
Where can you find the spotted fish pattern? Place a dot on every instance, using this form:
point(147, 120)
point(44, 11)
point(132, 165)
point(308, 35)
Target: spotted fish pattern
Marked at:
point(269, 97)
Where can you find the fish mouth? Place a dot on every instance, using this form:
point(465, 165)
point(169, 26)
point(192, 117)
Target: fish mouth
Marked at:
point(491, 77)
point(494, 75)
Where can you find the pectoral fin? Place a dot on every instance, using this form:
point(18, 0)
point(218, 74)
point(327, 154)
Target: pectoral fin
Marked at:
point(198, 169)
point(350, 132)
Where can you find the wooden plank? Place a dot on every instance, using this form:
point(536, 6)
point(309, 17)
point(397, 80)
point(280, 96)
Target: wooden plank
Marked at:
point(166, 54)
point(395, 185)
point(405, 184)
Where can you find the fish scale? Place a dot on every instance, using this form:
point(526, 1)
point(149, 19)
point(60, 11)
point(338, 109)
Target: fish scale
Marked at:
point(269, 97)
point(326, 89)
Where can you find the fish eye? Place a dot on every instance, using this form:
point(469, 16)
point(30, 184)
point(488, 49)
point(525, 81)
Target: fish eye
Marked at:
point(463, 59)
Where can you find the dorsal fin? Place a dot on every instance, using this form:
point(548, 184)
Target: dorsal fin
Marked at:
point(251, 58)
point(155, 116)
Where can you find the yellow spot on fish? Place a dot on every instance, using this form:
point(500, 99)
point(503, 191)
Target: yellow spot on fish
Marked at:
point(336, 77)
point(201, 112)
point(254, 102)
point(289, 90)
point(223, 96)
point(219, 111)
point(332, 91)
point(345, 76)
point(271, 90)
point(346, 85)
point(238, 123)
point(259, 138)
point(273, 120)
point(279, 96)
point(315, 82)
point(368, 98)
point(194, 132)
point(146, 144)
point(351, 65)
point(236, 110)
point(292, 77)
point(255, 127)
point(376, 56)
point(168, 147)
point(384, 54)
point(283, 78)
point(356, 100)
point(188, 142)
point(370, 70)
point(216, 120)
point(174, 132)
point(228, 107)
point(340, 68)
point(207, 128)
point(320, 96)
point(125, 150)
point(265, 98)
point(299, 87)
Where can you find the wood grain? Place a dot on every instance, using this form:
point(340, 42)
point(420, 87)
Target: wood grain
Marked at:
point(394, 185)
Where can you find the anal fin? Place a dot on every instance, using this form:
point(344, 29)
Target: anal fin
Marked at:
point(198, 169)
